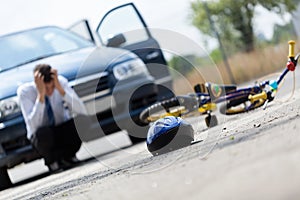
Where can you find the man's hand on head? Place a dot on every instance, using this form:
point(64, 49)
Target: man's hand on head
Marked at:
point(40, 85)
point(57, 84)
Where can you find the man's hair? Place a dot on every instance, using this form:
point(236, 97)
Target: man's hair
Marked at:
point(45, 71)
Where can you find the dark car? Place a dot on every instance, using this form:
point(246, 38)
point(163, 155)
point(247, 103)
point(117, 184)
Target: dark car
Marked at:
point(116, 80)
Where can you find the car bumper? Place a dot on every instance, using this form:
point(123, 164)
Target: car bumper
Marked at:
point(14, 146)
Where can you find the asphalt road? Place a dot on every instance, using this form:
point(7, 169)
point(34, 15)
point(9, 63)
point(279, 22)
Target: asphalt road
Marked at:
point(254, 155)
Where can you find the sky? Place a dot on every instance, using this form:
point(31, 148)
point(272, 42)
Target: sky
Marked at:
point(171, 15)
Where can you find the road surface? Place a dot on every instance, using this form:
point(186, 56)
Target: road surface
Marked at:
point(254, 155)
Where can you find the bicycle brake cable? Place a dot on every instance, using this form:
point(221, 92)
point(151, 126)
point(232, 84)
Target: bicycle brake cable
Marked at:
point(265, 104)
point(293, 90)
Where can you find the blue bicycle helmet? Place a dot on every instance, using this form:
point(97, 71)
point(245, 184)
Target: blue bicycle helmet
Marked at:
point(168, 134)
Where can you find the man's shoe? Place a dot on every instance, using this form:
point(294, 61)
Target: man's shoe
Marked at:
point(54, 167)
point(69, 162)
point(73, 160)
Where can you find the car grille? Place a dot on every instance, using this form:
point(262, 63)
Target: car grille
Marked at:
point(92, 86)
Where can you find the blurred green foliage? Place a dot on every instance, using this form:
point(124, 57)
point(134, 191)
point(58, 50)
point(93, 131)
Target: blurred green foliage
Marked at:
point(216, 55)
point(181, 65)
point(233, 19)
point(186, 64)
point(283, 33)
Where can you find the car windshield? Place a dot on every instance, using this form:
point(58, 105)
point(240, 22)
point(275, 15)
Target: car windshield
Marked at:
point(24, 47)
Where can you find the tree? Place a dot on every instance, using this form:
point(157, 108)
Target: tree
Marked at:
point(233, 19)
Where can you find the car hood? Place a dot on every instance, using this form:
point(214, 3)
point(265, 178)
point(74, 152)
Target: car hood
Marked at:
point(88, 61)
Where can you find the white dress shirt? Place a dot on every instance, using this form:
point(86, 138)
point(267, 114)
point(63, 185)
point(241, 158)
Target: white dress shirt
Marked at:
point(34, 112)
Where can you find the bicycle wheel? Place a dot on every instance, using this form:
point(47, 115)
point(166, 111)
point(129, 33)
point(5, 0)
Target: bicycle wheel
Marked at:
point(240, 104)
point(176, 106)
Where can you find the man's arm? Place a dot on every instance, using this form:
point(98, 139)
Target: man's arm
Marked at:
point(32, 108)
point(71, 98)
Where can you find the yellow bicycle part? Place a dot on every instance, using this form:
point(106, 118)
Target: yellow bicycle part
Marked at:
point(176, 112)
point(254, 98)
point(292, 48)
point(207, 107)
point(241, 108)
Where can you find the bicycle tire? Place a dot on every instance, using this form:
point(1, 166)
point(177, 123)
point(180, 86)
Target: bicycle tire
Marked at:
point(157, 110)
point(238, 105)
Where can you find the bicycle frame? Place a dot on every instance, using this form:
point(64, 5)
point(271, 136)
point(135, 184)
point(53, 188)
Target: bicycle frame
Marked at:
point(205, 102)
point(254, 90)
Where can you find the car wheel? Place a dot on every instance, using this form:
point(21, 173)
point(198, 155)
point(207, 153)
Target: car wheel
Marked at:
point(5, 181)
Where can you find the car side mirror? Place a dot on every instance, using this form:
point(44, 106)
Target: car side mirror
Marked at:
point(116, 40)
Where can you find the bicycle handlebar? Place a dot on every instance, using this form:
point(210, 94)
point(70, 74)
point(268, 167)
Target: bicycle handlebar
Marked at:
point(292, 48)
point(291, 66)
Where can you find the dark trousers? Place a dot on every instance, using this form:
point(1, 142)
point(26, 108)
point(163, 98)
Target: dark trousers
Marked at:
point(57, 142)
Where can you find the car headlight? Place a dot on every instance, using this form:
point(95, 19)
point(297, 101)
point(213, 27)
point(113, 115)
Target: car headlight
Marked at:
point(129, 69)
point(9, 106)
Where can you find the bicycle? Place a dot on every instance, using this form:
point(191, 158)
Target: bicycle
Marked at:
point(206, 96)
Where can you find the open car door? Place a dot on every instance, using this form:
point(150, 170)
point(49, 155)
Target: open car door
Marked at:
point(83, 29)
point(124, 27)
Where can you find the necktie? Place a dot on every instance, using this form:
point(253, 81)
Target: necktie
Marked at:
point(50, 113)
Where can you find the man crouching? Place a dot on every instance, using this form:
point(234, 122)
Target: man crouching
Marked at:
point(47, 105)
